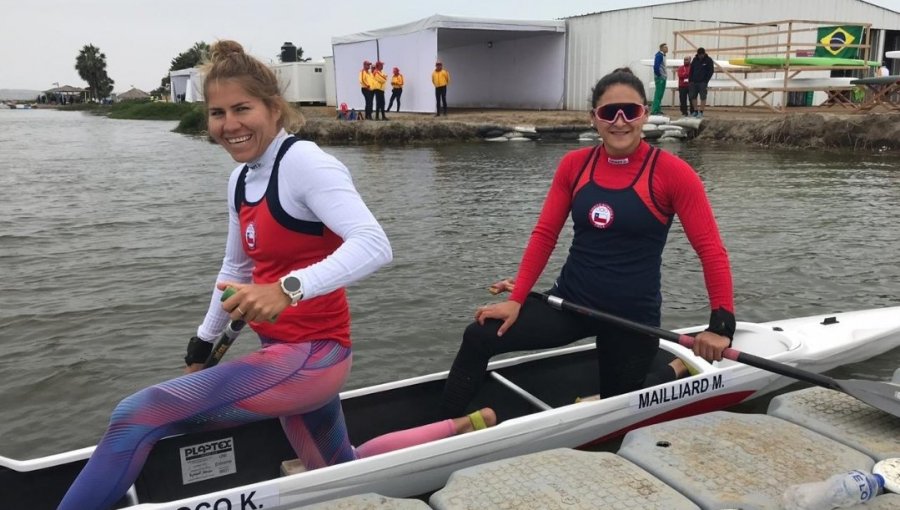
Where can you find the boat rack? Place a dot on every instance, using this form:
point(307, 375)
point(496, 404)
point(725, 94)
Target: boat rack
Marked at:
point(787, 39)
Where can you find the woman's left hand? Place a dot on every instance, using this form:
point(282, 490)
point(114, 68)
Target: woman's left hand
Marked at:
point(254, 301)
point(709, 345)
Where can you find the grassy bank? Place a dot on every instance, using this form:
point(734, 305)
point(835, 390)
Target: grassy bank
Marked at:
point(805, 128)
point(140, 110)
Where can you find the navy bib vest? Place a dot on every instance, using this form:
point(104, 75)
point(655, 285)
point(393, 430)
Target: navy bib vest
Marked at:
point(615, 259)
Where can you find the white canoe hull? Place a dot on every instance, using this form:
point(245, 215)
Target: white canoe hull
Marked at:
point(805, 343)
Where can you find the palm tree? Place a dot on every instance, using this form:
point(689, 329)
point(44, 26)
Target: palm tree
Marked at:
point(91, 66)
point(190, 58)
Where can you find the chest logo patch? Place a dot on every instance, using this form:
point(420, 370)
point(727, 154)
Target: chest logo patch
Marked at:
point(250, 235)
point(601, 215)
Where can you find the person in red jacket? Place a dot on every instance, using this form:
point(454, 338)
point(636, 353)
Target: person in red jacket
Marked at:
point(684, 75)
point(622, 196)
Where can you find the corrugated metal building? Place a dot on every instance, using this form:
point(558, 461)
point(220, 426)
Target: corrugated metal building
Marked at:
point(600, 42)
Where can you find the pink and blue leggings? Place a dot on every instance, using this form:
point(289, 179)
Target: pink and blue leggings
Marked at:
point(297, 382)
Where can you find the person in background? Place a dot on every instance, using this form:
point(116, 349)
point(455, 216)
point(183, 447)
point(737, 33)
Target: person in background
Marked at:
point(684, 73)
point(622, 196)
point(659, 78)
point(379, 79)
point(346, 113)
point(298, 234)
point(702, 69)
point(440, 77)
point(884, 70)
point(396, 88)
point(365, 84)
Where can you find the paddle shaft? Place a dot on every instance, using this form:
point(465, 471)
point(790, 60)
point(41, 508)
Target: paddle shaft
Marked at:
point(688, 341)
point(232, 330)
point(224, 342)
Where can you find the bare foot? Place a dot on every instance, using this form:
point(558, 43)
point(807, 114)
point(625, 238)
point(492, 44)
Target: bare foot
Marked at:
point(679, 368)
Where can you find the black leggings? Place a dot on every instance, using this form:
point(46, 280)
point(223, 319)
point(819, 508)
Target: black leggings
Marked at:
point(624, 357)
point(395, 94)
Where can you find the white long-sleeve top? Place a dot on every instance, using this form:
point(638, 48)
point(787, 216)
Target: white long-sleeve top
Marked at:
point(312, 186)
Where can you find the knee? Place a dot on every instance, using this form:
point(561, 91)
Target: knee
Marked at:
point(480, 338)
point(129, 408)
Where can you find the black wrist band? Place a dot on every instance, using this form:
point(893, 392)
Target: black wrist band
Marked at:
point(197, 351)
point(721, 322)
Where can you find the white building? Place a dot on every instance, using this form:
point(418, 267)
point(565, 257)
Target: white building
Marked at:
point(554, 64)
point(492, 63)
point(600, 42)
point(301, 82)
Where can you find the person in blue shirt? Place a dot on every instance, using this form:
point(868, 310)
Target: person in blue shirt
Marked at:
point(659, 78)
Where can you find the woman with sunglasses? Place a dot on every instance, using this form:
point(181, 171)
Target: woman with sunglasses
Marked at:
point(622, 195)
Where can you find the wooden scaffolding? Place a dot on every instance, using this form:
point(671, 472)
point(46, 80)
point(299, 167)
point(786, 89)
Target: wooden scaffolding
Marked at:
point(787, 39)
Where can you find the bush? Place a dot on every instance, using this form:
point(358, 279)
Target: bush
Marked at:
point(192, 121)
point(147, 110)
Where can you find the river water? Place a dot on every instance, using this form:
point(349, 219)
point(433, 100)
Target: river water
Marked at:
point(111, 233)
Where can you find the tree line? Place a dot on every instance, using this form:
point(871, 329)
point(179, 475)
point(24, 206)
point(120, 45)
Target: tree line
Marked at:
point(91, 66)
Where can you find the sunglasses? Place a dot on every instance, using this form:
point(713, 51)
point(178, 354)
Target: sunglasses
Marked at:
point(608, 113)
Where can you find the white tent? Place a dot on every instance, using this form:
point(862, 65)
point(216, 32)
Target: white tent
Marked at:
point(492, 63)
point(186, 85)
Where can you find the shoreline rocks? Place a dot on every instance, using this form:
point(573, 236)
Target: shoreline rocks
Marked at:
point(873, 132)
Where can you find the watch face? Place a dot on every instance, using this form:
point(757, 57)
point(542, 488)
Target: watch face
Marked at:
point(291, 284)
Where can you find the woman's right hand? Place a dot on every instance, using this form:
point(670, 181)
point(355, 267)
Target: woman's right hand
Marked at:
point(504, 285)
point(507, 311)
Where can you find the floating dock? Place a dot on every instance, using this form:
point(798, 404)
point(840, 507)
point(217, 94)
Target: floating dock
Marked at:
point(719, 460)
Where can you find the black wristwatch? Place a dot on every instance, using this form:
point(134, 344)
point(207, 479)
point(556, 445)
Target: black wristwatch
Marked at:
point(197, 351)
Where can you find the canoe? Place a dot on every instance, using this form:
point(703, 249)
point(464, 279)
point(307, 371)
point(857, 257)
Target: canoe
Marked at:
point(678, 62)
point(534, 397)
point(793, 84)
point(802, 61)
point(877, 80)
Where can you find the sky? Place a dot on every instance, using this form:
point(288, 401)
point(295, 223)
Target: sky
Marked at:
point(41, 39)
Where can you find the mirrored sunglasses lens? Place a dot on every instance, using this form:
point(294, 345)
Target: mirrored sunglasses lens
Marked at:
point(630, 111)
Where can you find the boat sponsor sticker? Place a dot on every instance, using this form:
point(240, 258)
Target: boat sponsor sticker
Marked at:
point(260, 498)
point(673, 392)
point(211, 459)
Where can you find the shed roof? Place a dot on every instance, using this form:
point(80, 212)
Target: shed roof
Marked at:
point(134, 93)
point(65, 89)
point(457, 23)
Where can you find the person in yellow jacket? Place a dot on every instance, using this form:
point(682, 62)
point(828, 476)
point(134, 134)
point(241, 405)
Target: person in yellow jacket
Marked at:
point(379, 79)
point(440, 78)
point(365, 84)
point(396, 89)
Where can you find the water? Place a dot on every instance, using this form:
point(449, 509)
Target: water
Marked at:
point(111, 233)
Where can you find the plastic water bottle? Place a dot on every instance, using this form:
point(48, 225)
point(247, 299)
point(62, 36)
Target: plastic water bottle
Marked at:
point(839, 491)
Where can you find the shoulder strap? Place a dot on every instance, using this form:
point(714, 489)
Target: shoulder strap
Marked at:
point(591, 155)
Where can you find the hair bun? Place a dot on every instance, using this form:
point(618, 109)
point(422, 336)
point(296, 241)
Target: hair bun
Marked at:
point(224, 49)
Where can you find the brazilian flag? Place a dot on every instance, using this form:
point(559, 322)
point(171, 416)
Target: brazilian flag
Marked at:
point(834, 41)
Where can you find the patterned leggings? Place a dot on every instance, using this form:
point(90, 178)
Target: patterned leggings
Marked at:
point(297, 382)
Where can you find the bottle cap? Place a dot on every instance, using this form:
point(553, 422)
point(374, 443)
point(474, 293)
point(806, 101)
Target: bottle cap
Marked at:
point(888, 470)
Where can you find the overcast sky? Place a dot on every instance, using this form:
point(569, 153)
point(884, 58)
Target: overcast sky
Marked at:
point(40, 39)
